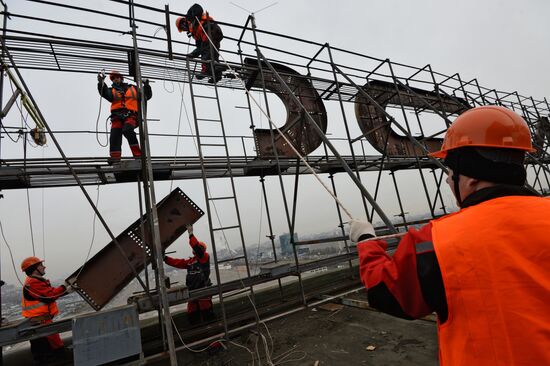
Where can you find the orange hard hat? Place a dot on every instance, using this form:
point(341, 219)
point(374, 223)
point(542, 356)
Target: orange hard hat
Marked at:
point(181, 24)
point(115, 74)
point(30, 261)
point(487, 126)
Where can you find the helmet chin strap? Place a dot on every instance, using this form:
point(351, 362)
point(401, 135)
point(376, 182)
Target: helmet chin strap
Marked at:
point(456, 178)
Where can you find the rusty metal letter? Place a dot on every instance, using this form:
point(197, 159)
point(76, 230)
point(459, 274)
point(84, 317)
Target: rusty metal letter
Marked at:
point(376, 127)
point(296, 127)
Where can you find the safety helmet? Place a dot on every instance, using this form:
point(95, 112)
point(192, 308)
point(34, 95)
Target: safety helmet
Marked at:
point(30, 261)
point(181, 24)
point(487, 126)
point(115, 74)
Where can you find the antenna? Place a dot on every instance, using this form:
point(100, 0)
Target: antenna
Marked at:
point(254, 12)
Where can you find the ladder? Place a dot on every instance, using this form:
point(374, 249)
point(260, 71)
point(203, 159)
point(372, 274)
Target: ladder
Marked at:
point(205, 98)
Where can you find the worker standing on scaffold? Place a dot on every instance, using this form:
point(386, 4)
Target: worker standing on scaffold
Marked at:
point(198, 23)
point(124, 100)
point(484, 269)
point(198, 276)
point(38, 304)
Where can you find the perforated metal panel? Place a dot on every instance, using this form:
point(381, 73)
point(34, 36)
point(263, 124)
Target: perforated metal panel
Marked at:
point(108, 272)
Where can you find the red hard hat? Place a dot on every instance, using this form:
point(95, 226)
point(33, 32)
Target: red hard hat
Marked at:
point(181, 24)
point(115, 74)
point(487, 126)
point(30, 261)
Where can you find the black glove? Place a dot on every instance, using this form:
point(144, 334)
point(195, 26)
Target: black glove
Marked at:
point(100, 76)
point(146, 82)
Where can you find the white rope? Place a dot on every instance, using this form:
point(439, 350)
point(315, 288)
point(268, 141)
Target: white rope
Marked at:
point(276, 128)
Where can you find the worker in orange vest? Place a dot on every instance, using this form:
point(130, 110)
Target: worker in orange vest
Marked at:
point(38, 304)
point(202, 27)
point(198, 276)
point(125, 102)
point(484, 269)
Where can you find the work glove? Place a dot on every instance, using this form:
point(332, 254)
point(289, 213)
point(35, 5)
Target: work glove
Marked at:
point(69, 289)
point(190, 229)
point(100, 76)
point(359, 228)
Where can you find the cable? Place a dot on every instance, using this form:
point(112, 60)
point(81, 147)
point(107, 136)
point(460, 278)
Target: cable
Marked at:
point(81, 268)
point(102, 72)
point(30, 222)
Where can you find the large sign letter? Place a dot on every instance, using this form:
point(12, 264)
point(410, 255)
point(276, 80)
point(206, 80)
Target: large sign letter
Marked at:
point(376, 127)
point(296, 127)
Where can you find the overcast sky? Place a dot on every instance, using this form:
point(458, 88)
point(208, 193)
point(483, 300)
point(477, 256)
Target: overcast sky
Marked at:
point(504, 44)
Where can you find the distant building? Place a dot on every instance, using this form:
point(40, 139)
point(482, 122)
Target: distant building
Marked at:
point(286, 245)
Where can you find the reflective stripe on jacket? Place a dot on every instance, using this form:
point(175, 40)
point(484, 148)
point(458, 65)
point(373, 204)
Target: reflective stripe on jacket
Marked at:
point(494, 263)
point(127, 100)
point(36, 308)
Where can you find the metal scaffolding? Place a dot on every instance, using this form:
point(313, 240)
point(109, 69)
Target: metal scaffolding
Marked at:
point(394, 104)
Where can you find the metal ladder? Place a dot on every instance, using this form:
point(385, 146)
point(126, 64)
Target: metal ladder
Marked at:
point(208, 95)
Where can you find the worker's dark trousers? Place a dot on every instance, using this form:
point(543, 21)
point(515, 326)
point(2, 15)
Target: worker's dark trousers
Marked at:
point(123, 126)
point(45, 349)
point(200, 309)
point(206, 55)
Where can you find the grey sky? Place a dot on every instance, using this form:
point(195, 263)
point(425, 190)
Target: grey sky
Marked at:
point(502, 43)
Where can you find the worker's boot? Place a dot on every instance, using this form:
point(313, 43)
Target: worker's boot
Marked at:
point(217, 77)
point(114, 158)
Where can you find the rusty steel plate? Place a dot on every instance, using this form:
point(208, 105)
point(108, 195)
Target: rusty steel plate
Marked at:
point(108, 272)
point(296, 128)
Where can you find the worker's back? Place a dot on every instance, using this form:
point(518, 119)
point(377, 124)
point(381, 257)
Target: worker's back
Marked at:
point(494, 262)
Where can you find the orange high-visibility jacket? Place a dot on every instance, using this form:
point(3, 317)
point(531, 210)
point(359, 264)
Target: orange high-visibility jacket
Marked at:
point(36, 308)
point(127, 101)
point(494, 259)
point(198, 31)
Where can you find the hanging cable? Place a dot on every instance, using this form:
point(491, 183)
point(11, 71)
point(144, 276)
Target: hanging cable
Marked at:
point(43, 219)
point(102, 73)
point(30, 222)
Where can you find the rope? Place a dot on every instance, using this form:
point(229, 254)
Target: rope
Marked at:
point(278, 130)
point(99, 114)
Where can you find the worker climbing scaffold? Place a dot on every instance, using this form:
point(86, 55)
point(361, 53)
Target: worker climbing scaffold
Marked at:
point(484, 269)
point(202, 27)
point(125, 100)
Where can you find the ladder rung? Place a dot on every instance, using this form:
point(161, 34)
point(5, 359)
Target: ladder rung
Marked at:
point(231, 259)
point(208, 120)
point(204, 96)
point(222, 198)
point(226, 228)
point(212, 144)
